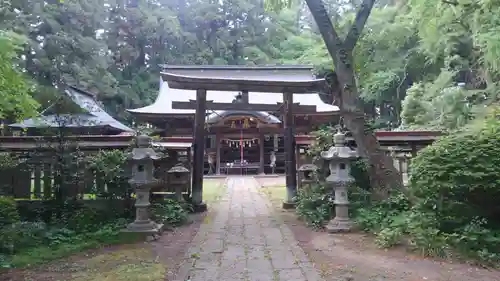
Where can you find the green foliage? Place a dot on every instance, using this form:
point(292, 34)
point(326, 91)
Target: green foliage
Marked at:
point(108, 162)
point(395, 222)
point(110, 166)
point(9, 216)
point(40, 244)
point(437, 105)
point(315, 205)
point(8, 211)
point(323, 141)
point(15, 92)
point(8, 160)
point(170, 212)
point(455, 184)
point(457, 176)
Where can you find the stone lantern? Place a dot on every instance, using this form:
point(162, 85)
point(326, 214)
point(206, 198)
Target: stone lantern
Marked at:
point(142, 181)
point(306, 174)
point(178, 178)
point(339, 158)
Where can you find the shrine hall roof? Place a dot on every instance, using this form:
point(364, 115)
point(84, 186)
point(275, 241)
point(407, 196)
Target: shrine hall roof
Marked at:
point(93, 116)
point(291, 73)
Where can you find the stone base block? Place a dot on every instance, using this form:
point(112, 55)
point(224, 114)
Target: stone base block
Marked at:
point(288, 205)
point(149, 228)
point(340, 225)
point(200, 208)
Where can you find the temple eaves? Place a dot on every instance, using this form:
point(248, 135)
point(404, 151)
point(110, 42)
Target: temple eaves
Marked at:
point(94, 115)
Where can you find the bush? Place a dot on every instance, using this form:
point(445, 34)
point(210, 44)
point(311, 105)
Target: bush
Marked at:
point(170, 212)
point(81, 217)
point(110, 166)
point(377, 216)
point(456, 178)
point(8, 211)
point(21, 235)
point(315, 205)
point(455, 182)
point(9, 216)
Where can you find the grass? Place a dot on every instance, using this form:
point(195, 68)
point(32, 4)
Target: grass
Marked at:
point(275, 193)
point(44, 254)
point(213, 190)
point(135, 264)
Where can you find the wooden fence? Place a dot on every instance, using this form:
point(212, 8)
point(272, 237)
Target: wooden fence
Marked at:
point(39, 175)
point(35, 177)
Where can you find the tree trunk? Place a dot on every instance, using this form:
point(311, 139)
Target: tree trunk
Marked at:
point(383, 175)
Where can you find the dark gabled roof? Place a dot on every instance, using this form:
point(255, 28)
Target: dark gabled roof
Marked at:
point(93, 117)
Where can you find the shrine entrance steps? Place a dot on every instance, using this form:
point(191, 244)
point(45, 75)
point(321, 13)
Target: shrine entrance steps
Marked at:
point(242, 239)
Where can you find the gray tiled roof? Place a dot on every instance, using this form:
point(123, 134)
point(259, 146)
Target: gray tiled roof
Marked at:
point(95, 116)
point(163, 103)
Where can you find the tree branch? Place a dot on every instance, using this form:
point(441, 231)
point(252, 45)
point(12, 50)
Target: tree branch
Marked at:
point(325, 26)
point(358, 25)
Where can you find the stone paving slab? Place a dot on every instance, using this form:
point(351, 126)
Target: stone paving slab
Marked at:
point(244, 240)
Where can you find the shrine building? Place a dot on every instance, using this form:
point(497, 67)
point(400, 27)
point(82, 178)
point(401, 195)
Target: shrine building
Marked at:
point(244, 130)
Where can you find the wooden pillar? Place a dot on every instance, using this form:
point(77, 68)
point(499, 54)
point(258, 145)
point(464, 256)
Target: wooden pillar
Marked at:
point(297, 155)
point(199, 150)
point(218, 144)
point(261, 154)
point(290, 161)
point(244, 96)
point(413, 150)
point(190, 168)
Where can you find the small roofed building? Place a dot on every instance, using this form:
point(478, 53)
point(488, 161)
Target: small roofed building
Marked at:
point(249, 139)
point(86, 117)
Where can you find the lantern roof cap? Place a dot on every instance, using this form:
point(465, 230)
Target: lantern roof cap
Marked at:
point(308, 167)
point(339, 150)
point(178, 169)
point(143, 151)
point(144, 154)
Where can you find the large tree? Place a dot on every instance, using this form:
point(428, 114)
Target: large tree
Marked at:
point(383, 174)
point(15, 90)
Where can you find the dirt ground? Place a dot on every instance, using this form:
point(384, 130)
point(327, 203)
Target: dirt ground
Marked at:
point(354, 255)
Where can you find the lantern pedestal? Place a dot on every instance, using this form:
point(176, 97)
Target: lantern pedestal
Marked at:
point(148, 227)
point(341, 222)
point(288, 205)
point(142, 222)
point(339, 225)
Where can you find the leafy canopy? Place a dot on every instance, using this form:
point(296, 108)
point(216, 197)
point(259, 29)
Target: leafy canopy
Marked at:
point(15, 91)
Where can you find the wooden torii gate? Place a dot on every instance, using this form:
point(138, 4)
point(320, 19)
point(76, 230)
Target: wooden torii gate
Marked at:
point(200, 105)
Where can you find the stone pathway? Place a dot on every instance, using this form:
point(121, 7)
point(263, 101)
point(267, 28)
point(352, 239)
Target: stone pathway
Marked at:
point(242, 240)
